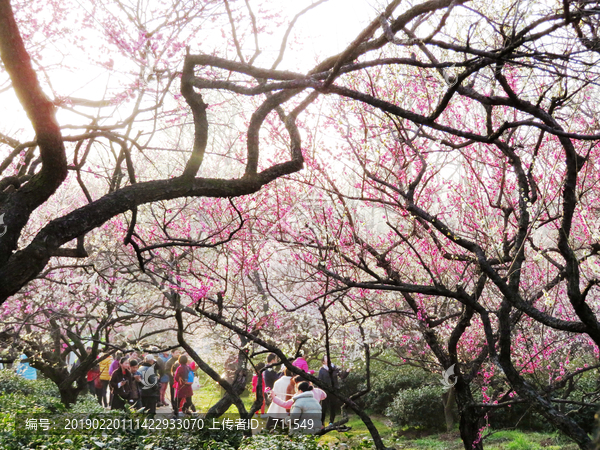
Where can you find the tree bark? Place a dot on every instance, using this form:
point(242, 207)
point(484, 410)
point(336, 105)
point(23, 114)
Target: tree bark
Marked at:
point(470, 418)
point(68, 396)
point(17, 206)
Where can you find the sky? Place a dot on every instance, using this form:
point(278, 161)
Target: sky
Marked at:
point(322, 32)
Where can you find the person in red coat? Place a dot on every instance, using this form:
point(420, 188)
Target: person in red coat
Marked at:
point(92, 375)
point(183, 388)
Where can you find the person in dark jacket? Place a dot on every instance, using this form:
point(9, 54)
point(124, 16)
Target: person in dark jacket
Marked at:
point(162, 360)
point(120, 384)
point(150, 375)
point(135, 397)
point(331, 377)
point(269, 375)
point(169, 371)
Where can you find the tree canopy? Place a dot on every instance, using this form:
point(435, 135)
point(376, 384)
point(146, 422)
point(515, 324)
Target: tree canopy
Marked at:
point(436, 178)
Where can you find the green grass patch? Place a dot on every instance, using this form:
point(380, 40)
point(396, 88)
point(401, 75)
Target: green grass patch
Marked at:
point(210, 393)
point(520, 440)
point(358, 434)
point(359, 438)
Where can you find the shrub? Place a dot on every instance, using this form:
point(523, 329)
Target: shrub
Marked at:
point(11, 383)
point(583, 387)
point(123, 442)
point(526, 417)
point(42, 396)
point(522, 414)
point(280, 442)
point(230, 437)
point(354, 382)
point(387, 383)
point(418, 407)
point(87, 404)
point(13, 403)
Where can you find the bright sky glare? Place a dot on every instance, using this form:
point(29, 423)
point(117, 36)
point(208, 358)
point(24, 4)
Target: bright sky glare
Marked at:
point(324, 31)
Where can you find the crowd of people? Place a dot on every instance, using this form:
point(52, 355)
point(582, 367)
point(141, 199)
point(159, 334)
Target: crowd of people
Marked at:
point(141, 380)
point(295, 399)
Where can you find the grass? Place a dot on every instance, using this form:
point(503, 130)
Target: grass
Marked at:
point(359, 436)
point(519, 440)
point(210, 393)
point(358, 433)
point(416, 440)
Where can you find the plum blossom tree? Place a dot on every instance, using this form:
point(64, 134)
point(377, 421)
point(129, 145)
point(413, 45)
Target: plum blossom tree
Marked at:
point(497, 216)
point(63, 313)
point(481, 152)
point(118, 151)
point(470, 129)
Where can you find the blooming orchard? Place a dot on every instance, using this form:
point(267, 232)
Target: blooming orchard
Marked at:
point(430, 189)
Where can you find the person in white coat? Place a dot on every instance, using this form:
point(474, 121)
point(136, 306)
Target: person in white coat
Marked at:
point(317, 393)
point(305, 415)
point(276, 413)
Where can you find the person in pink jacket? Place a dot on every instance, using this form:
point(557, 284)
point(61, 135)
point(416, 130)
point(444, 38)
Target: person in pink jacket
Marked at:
point(301, 363)
point(183, 389)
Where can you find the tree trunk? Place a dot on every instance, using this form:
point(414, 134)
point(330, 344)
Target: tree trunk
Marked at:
point(238, 386)
point(68, 395)
point(544, 406)
point(234, 390)
point(69, 385)
point(470, 419)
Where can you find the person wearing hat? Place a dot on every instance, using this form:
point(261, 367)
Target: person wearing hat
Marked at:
point(150, 374)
